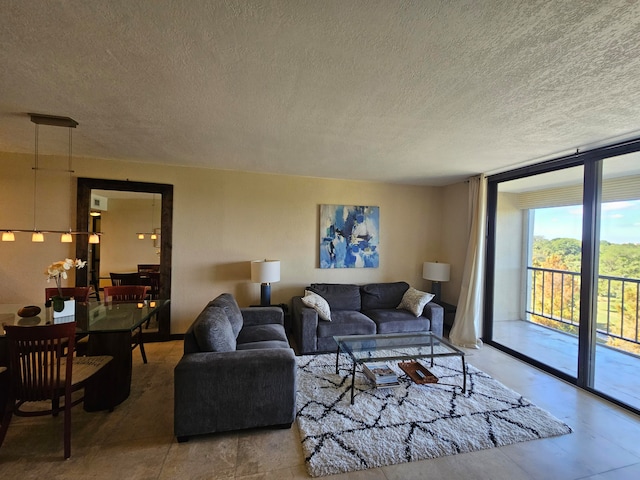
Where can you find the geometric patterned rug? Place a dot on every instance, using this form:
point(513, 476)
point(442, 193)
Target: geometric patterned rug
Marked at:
point(407, 423)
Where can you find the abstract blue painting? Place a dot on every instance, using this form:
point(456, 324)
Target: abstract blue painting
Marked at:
point(349, 236)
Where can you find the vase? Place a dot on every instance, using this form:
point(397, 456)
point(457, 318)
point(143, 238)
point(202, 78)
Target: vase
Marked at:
point(68, 307)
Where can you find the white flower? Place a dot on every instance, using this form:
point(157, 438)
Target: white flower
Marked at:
point(59, 269)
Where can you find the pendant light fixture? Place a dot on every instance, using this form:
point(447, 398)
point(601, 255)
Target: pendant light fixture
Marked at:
point(152, 234)
point(37, 236)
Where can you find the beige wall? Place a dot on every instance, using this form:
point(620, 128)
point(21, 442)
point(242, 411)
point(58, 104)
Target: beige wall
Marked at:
point(120, 249)
point(455, 234)
point(224, 219)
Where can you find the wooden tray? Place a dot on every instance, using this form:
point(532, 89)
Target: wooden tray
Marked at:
point(411, 368)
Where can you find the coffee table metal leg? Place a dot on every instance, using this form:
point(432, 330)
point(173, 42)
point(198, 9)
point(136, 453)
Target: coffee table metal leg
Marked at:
point(353, 381)
point(464, 375)
point(337, 357)
point(432, 350)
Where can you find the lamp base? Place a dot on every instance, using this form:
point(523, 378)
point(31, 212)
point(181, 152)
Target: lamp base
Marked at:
point(436, 289)
point(265, 294)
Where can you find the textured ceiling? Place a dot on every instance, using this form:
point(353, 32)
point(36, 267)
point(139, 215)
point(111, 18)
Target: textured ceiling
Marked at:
point(419, 92)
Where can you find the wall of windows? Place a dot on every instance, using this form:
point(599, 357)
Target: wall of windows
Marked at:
point(563, 268)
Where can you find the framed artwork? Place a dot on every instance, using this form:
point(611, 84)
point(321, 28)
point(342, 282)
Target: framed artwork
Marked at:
point(349, 236)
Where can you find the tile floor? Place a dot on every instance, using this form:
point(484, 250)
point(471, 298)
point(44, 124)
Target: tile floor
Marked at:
point(136, 440)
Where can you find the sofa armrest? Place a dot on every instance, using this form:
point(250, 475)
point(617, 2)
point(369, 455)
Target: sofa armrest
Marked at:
point(262, 315)
point(435, 314)
point(305, 326)
point(233, 390)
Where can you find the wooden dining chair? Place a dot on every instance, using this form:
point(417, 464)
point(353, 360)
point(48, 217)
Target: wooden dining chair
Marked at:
point(129, 293)
point(118, 279)
point(42, 367)
point(148, 267)
point(80, 294)
point(152, 280)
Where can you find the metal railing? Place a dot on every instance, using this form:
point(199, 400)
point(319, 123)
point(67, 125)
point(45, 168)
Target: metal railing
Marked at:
point(554, 295)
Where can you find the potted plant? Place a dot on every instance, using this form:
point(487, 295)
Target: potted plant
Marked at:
point(58, 271)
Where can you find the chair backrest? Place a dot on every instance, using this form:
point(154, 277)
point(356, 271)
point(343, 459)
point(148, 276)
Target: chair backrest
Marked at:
point(37, 367)
point(152, 280)
point(118, 279)
point(125, 293)
point(80, 294)
point(148, 267)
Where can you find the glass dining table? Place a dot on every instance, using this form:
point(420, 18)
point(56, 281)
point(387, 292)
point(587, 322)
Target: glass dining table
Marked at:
point(108, 326)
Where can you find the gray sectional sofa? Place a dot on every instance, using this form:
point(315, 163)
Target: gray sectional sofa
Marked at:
point(358, 310)
point(238, 371)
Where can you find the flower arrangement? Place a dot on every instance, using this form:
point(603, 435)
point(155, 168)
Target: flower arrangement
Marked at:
point(58, 271)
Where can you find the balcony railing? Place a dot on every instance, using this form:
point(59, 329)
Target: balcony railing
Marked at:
point(554, 295)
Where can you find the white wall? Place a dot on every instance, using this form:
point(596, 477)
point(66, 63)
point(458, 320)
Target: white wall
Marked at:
point(223, 220)
point(509, 256)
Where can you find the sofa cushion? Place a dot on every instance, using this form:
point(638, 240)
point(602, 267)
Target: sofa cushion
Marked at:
point(415, 300)
point(347, 322)
point(382, 295)
point(213, 332)
point(339, 296)
point(398, 321)
point(319, 304)
point(231, 308)
point(257, 333)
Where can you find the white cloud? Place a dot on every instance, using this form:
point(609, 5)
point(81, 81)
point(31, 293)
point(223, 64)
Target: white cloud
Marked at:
point(609, 206)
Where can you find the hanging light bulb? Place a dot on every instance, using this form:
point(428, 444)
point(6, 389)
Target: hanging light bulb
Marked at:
point(37, 237)
point(154, 236)
point(8, 236)
point(141, 236)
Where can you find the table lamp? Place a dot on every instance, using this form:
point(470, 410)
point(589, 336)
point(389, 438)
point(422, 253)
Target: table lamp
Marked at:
point(265, 272)
point(437, 273)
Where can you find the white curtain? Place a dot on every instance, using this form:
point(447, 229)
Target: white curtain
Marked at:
point(467, 326)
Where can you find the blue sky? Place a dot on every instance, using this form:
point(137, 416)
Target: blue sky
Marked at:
point(620, 222)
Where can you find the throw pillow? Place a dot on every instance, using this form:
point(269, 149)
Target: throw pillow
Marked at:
point(231, 308)
point(319, 304)
point(213, 331)
point(415, 300)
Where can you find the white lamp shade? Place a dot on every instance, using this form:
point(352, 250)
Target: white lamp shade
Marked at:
point(8, 237)
point(37, 237)
point(265, 271)
point(436, 272)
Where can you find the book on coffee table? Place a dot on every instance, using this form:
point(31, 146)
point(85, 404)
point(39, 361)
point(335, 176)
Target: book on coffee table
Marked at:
point(380, 374)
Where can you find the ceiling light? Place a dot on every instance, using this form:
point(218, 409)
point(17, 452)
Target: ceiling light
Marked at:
point(36, 234)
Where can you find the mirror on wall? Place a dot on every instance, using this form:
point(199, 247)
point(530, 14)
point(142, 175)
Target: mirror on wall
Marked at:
point(135, 219)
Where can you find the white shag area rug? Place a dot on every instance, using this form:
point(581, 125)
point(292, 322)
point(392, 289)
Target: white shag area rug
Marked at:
point(407, 423)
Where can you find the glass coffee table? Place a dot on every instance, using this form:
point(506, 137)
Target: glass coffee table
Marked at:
point(395, 346)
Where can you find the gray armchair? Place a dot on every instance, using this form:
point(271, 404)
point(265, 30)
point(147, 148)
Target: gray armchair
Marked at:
point(251, 385)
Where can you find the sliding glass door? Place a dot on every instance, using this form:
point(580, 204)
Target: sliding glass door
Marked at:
point(563, 268)
point(617, 338)
point(538, 231)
